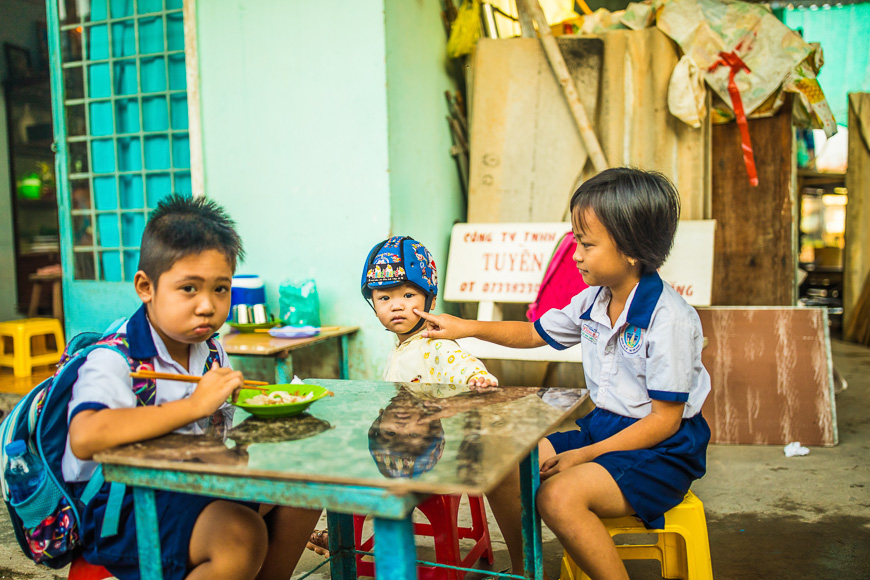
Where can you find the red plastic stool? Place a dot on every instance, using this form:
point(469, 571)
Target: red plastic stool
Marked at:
point(442, 511)
point(81, 570)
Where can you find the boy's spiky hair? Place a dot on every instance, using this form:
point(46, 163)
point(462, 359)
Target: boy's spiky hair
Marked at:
point(182, 226)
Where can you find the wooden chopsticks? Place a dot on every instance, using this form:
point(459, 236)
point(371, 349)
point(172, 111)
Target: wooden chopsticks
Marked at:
point(190, 379)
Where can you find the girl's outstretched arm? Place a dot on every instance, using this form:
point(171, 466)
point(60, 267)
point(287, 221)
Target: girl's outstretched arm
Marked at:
point(514, 334)
point(92, 431)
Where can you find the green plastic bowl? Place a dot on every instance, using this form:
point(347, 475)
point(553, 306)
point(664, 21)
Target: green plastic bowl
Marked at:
point(286, 410)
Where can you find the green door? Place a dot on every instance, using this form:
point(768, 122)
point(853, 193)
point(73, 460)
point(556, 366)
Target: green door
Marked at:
point(119, 99)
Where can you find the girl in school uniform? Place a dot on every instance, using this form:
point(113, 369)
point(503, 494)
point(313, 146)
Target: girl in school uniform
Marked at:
point(645, 442)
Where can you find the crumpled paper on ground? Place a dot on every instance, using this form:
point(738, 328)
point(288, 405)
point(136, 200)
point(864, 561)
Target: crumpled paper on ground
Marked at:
point(795, 449)
point(705, 28)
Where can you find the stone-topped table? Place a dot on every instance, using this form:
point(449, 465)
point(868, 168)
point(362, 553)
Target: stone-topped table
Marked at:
point(375, 447)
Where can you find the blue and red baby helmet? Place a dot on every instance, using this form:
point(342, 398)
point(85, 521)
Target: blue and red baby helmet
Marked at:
point(396, 261)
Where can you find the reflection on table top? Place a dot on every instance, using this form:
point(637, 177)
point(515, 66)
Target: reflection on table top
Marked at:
point(263, 343)
point(408, 437)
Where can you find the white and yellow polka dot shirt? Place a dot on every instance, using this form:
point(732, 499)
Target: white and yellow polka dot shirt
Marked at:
point(433, 360)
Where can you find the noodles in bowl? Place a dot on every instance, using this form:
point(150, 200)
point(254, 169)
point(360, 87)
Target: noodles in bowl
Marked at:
point(280, 400)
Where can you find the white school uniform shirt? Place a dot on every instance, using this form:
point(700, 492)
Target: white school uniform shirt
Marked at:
point(653, 351)
point(433, 360)
point(104, 383)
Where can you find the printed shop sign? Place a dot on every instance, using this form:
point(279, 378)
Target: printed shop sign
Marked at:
point(689, 268)
point(506, 262)
point(500, 262)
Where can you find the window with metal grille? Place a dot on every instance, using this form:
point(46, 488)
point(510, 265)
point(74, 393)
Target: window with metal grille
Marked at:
point(125, 103)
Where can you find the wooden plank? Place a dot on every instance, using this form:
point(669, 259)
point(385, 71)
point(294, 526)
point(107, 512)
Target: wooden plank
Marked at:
point(634, 124)
point(568, 86)
point(526, 156)
point(756, 244)
point(525, 150)
point(771, 374)
point(857, 251)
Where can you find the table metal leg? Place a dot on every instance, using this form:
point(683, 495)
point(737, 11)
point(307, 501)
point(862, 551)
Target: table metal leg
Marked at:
point(342, 358)
point(341, 541)
point(530, 480)
point(395, 553)
point(257, 368)
point(147, 534)
point(284, 370)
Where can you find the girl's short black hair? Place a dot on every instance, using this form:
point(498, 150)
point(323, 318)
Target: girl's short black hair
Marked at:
point(639, 209)
point(182, 226)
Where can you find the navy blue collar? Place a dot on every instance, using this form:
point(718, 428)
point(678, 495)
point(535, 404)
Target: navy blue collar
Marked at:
point(646, 296)
point(588, 314)
point(139, 336)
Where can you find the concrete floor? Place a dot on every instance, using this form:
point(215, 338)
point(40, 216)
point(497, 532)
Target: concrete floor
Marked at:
point(768, 516)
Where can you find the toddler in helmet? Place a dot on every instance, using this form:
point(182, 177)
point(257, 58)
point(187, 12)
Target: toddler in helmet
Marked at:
point(399, 276)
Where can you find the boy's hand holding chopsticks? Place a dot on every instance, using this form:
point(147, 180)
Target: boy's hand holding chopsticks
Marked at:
point(216, 380)
point(215, 387)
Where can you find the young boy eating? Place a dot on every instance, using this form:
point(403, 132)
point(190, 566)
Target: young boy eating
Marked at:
point(187, 259)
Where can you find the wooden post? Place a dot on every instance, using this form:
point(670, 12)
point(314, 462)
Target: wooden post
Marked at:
point(560, 69)
point(756, 233)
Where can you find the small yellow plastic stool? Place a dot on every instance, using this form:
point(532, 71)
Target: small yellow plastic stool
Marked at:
point(21, 331)
point(682, 548)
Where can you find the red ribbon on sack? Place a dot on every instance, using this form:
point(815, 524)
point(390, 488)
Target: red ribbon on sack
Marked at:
point(736, 64)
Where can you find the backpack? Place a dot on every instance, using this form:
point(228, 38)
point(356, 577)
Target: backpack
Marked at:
point(46, 525)
point(562, 281)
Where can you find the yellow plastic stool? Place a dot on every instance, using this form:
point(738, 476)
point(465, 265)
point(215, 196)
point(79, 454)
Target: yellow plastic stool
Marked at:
point(682, 548)
point(22, 331)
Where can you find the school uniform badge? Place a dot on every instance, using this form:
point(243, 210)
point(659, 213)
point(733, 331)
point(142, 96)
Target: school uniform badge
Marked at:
point(631, 339)
point(589, 334)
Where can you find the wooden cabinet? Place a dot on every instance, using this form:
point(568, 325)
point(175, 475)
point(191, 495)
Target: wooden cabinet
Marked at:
point(33, 187)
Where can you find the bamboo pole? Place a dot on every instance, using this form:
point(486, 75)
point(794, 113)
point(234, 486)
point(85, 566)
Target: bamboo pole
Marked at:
point(526, 24)
point(569, 89)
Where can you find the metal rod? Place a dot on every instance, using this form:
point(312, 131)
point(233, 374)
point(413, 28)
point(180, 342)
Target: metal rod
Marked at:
point(449, 567)
point(530, 480)
point(341, 543)
point(569, 89)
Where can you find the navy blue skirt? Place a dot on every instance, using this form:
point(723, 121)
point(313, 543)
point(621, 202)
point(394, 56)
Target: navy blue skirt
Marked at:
point(119, 554)
point(652, 480)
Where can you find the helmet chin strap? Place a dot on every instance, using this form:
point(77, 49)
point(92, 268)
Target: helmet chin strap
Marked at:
point(422, 321)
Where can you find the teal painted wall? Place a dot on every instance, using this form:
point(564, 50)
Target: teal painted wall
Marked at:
point(323, 133)
point(844, 33)
point(425, 193)
point(294, 118)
